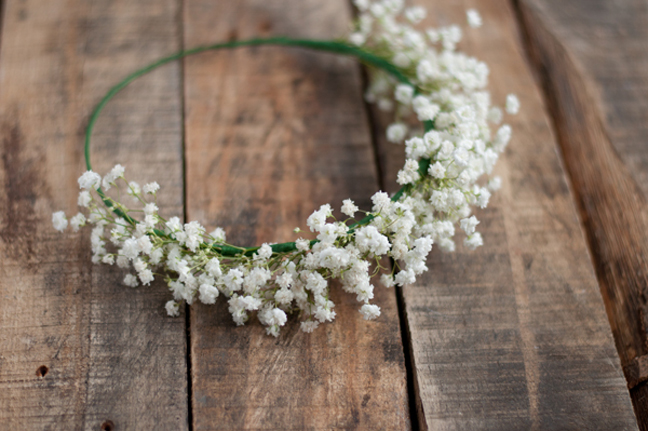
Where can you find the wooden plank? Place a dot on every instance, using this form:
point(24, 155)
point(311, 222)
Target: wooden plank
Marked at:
point(592, 56)
point(513, 335)
point(77, 349)
point(273, 133)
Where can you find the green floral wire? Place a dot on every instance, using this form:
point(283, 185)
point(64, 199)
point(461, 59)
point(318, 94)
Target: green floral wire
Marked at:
point(333, 46)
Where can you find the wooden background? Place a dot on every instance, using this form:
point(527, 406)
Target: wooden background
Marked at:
point(512, 336)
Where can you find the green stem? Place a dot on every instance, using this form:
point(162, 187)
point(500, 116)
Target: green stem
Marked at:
point(336, 47)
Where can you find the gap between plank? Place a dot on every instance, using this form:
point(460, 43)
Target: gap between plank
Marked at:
point(415, 406)
point(374, 130)
point(183, 135)
point(413, 399)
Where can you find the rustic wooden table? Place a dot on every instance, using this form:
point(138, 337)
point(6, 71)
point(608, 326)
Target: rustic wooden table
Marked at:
point(512, 336)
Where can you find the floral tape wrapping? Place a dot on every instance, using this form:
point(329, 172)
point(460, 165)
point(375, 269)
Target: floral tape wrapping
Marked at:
point(442, 115)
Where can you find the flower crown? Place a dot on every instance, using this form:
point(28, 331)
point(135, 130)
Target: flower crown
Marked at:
point(419, 76)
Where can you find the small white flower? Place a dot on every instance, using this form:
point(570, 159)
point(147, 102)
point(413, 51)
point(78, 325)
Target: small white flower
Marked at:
point(130, 248)
point(502, 137)
point(370, 311)
point(494, 184)
point(433, 35)
point(111, 177)
point(365, 24)
point(208, 294)
point(151, 188)
point(251, 303)
point(233, 279)
point(263, 253)
point(385, 105)
point(192, 235)
point(465, 178)
point(362, 5)
point(474, 19)
point(357, 38)
point(425, 72)
point(285, 280)
point(172, 308)
point(437, 170)
point(483, 197)
point(425, 110)
point(380, 201)
point(474, 241)
point(276, 317)
point(139, 265)
point(134, 189)
point(130, 280)
point(284, 296)
point(150, 221)
point(324, 314)
point(396, 133)
point(447, 245)
point(415, 14)
point(461, 157)
point(405, 277)
point(122, 261)
point(309, 326)
point(89, 180)
point(116, 172)
point(415, 148)
point(317, 220)
point(369, 239)
point(349, 208)
point(387, 280)
point(377, 10)
point(213, 267)
point(512, 104)
point(328, 233)
point(401, 60)
point(495, 115)
point(450, 36)
point(469, 224)
point(84, 199)
point(59, 221)
point(404, 93)
point(146, 276)
point(409, 173)
point(77, 221)
point(156, 256)
point(302, 244)
point(218, 234)
point(150, 208)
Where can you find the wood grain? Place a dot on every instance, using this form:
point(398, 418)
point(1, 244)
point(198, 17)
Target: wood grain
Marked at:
point(273, 133)
point(513, 335)
point(592, 57)
point(77, 349)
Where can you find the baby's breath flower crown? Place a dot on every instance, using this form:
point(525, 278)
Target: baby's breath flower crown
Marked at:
point(417, 75)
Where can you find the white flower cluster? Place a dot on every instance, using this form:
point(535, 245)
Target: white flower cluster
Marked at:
point(446, 94)
point(439, 179)
point(272, 282)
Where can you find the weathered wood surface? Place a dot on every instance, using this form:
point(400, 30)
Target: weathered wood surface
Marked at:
point(77, 349)
point(271, 134)
point(593, 59)
point(514, 335)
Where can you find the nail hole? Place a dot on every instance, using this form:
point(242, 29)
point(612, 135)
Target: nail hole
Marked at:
point(265, 26)
point(107, 426)
point(41, 371)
